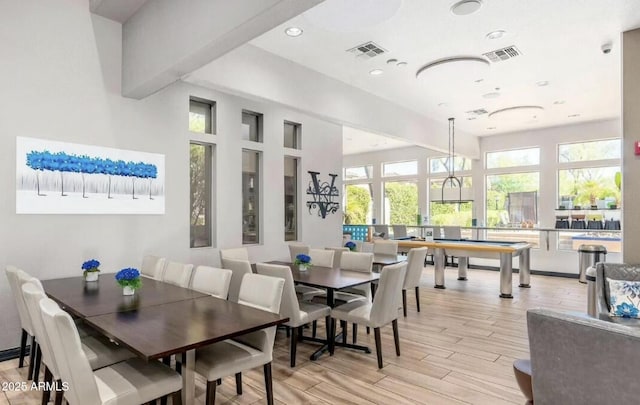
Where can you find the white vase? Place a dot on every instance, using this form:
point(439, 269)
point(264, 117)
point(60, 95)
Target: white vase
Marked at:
point(303, 267)
point(91, 276)
point(128, 290)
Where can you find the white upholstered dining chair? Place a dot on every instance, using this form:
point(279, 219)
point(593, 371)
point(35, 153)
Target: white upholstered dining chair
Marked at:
point(385, 247)
point(153, 267)
point(296, 249)
point(233, 356)
point(211, 280)
point(234, 254)
point(382, 311)
point(321, 257)
point(177, 274)
point(25, 319)
point(360, 262)
point(299, 313)
point(238, 270)
point(134, 381)
point(337, 254)
point(415, 266)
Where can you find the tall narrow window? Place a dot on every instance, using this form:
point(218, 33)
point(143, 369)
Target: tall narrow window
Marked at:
point(200, 175)
point(250, 197)
point(202, 116)
point(290, 198)
point(251, 126)
point(292, 132)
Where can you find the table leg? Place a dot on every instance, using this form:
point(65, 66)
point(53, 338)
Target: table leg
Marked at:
point(506, 274)
point(463, 265)
point(438, 261)
point(188, 377)
point(525, 263)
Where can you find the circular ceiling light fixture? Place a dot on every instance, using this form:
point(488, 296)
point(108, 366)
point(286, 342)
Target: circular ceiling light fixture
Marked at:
point(461, 68)
point(376, 72)
point(542, 83)
point(443, 105)
point(466, 7)
point(293, 31)
point(518, 113)
point(390, 61)
point(497, 34)
point(402, 64)
point(559, 102)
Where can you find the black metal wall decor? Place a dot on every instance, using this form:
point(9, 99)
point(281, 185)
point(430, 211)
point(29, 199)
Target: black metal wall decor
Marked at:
point(325, 196)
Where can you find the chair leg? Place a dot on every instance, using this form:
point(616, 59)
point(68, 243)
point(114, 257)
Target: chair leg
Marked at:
point(368, 330)
point(176, 398)
point(48, 379)
point(343, 324)
point(268, 385)
point(36, 366)
point(288, 331)
point(300, 332)
point(211, 393)
point(355, 333)
point(404, 302)
point(418, 298)
point(327, 320)
point(293, 346)
point(376, 332)
point(396, 336)
point(59, 393)
point(314, 327)
point(166, 360)
point(239, 383)
point(163, 401)
point(178, 367)
point(332, 337)
point(32, 358)
point(23, 348)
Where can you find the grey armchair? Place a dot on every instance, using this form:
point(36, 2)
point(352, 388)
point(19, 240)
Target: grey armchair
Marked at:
point(577, 359)
point(616, 271)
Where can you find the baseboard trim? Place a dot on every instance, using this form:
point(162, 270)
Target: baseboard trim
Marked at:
point(13, 353)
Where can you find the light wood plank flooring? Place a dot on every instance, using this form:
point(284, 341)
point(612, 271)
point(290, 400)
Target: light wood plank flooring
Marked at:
point(458, 350)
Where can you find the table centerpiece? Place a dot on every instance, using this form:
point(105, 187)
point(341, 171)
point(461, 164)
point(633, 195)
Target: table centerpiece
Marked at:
point(91, 270)
point(303, 262)
point(351, 246)
point(129, 280)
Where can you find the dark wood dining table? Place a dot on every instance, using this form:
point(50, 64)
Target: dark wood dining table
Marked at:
point(159, 320)
point(382, 260)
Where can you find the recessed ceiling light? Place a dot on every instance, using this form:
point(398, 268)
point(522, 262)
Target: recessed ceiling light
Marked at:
point(402, 64)
point(376, 72)
point(443, 105)
point(390, 61)
point(293, 31)
point(479, 80)
point(491, 128)
point(558, 102)
point(466, 7)
point(497, 34)
point(471, 118)
point(573, 115)
point(493, 94)
point(542, 83)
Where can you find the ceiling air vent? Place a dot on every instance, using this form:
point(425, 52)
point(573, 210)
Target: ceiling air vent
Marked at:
point(479, 111)
point(503, 54)
point(367, 50)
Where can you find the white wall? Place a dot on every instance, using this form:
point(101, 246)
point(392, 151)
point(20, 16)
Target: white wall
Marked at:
point(61, 81)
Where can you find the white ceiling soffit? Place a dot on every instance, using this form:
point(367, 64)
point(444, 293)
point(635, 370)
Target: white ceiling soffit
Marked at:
point(356, 141)
point(557, 42)
point(116, 10)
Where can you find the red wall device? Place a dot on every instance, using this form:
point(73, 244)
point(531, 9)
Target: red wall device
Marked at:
point(637, 148)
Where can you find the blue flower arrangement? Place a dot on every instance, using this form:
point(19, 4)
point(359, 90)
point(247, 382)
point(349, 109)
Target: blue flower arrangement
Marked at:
point(302, 259)
point(129, 277)
point(91, 266)
point(351, 245)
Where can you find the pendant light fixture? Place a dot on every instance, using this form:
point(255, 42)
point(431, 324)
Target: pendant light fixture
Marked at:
point(451, 179)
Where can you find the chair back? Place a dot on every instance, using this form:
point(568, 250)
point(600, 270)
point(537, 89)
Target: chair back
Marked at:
point(614, 271)
point(153, 266)
point(234, 254)
point(357, 261)
point(238, 270)
point(388, 296)
point(415, 266)
point(178, 274)
point(399, 231)
point(33, 293)
point(289, 306)
point(211, 280)
point(265, 293)
point(297, 249)
point(577, 359)
point(321, 257)
point(70, 358)
point(337, 254)
point(385, 247)
point(361, 246)
point(16, 289)
point(452, 232)
point(382, 230)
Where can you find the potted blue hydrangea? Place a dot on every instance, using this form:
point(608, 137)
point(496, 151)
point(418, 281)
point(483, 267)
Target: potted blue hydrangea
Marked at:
point(91, 270)
point(303, 262)
point(129, 280)
point(350, 245)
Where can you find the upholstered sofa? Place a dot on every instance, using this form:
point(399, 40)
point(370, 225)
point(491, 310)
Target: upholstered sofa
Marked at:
point(615, 271)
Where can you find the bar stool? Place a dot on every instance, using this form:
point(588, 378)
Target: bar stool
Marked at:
point(594, 224)
point(562, 222)
point(577, 221)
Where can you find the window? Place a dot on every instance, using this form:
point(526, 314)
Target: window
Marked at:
point(292, 133)
point(358, 205)
point(400, 168)
point(401, 203)
point(290, 198)
point(357, 173)
point(589, 186)
point(512, 199)
point(251, 126)
point(512, 158)
point(202, 115)
point(586, 151)
point(441, 164)
point(451, 213)
point(200, 186)
point(250, 197)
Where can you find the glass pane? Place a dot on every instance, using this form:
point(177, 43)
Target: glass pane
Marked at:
point(529, 236)
point(201, 117)
point(512, 158)
point(441, 164)
point(400, 168)
point(437, 183)
point(401, 203)
point(612, 240)
point(251, 126)
point(359, 204)
point(362, 172)
point(512, 199)
point(585, 151)
point(250, 197)
point(450, 213)
point(588, 186)
point(291, 135)
point(290, 198)
point(200, 185)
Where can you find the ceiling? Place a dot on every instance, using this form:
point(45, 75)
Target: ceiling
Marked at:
point(559, 41)
point(117, 10)
point(356, 141)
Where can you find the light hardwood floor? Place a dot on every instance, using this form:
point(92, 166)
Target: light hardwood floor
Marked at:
point(458, 350)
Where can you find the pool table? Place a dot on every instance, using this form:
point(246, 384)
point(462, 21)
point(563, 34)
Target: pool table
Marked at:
point(465, 248)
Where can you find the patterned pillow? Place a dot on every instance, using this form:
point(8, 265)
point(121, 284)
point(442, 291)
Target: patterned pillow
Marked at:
point(624, 298)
